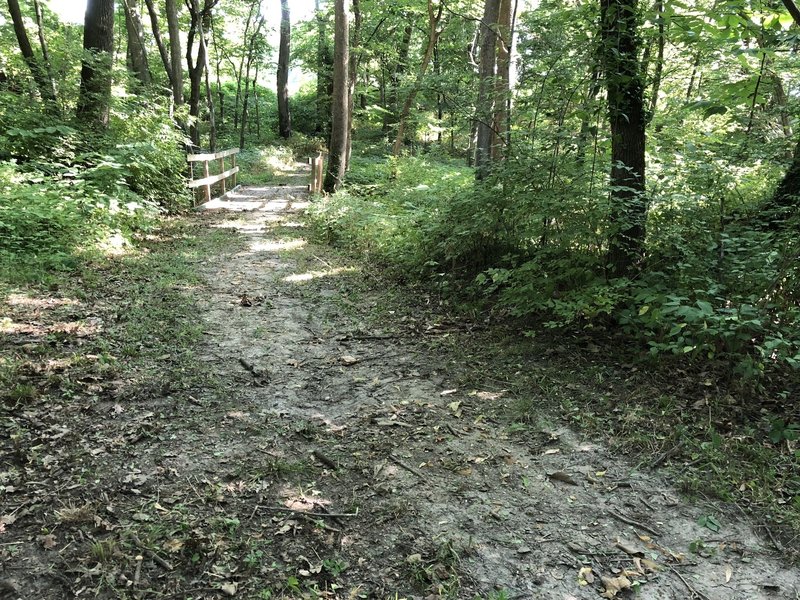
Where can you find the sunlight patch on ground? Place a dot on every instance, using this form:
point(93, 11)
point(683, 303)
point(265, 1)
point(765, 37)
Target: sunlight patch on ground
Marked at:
point(23, 300)
point(277, 246)
point(309, 275)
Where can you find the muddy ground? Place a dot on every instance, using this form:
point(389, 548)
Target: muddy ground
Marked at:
point(335, 451)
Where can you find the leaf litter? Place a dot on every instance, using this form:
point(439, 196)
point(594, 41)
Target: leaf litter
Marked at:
point(424, 491)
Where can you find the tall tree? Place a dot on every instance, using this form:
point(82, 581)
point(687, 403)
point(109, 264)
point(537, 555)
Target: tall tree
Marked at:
point(94, 99)
point(340, 120)
point(162, 48)
point(284, 116)
point(251, 58)
point(38, 69)
point(434, 17)
point(173, 27)
point(486, 88)
point(619, 51)
point(200, 23)
point(137, 51)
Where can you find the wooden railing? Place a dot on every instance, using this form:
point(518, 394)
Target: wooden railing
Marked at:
point(208, 180)
point(317, 173)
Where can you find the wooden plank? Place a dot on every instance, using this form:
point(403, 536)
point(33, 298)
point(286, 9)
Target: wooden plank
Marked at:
point(211, 156)
point(211, 180)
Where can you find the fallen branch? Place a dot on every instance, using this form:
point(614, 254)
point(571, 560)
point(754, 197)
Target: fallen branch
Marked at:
point(151, 553)
point(403, 465)
point(625, 519)
point(309, 514)
point(694, 593)
point(324, 459)
point(665, 455)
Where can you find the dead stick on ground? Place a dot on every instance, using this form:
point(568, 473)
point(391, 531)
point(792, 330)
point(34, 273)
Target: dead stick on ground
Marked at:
point(309, 514)
point(324, 459)
point(156, 558)
point(692, 591)
point(625, 519)
point(403, 465)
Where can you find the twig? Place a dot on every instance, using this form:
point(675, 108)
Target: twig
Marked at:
point(151, 553)
point(137, 574)
point(625, 519)
point(647, 504)
point(324, 459)
point(665, 455)
point(692, 591)
point(403, 465)
point(307, 513)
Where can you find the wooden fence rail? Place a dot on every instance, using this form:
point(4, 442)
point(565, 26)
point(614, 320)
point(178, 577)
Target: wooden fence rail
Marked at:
point(208, 180)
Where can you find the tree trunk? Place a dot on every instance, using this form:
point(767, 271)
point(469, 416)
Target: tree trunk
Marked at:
point(162, 48)
point(173, 27)
point(659, 69)
point(39, 72)
point(136, 47)
point(51, 82)
point(434, 16)
point(355, 58)
point(284, 116)
point(323, 73)
point(337, 159)
point(94, 98)
point(200, 17)
point(391, 118)
point(619, 52)
point(212, 118)
point(502, 87)
point(250, 57)
point(486, 96)
point(240, 70)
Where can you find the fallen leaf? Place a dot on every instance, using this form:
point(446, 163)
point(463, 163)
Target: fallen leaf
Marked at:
point(585, 576)
point(629, 547)
point(614, 585)
point(348, 360)
point(448, 392)
point(551, 451)
point(228, 589)
point(48, 541)
point(562, 477)
point(173, 545)
point(728, 572)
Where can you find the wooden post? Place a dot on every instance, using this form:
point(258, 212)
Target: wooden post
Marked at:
point(320, 172)
point(208, 185)
point(222, 170)
point(233, 157)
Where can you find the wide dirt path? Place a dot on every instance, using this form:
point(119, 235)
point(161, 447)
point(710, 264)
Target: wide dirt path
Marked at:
point(247, 414)
point(362, 418)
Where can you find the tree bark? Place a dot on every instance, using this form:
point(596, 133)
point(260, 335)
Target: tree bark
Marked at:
point(391, 118)
point(434, 17)
point(94, 98)
point(625, 88)
point(324, 69)
point(162, 48)
point(173, 27)
point(502, 87)
point(486, 86)
point(200, 17)
point(136, 47)
point(250, 58)
point(284, 116)
point(38, 70)
point(337, 159)
point(51, 82)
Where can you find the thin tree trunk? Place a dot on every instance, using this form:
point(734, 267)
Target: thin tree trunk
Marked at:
point(39, 73)
point(434, 16)
point(240, 70)
point(502, 88)
point(94, 98)
point(162, 48)
point(659, 69)
point(250, 52)
point(173, 27)
point(337, 159)
point(136, 47)
point(37, 7)
point(284, 116)
point(485, 105)
point(212, 120)
point(391, 118)
point(258, 104)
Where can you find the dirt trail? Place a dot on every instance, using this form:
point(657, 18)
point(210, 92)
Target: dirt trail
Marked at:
point(444, 501)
